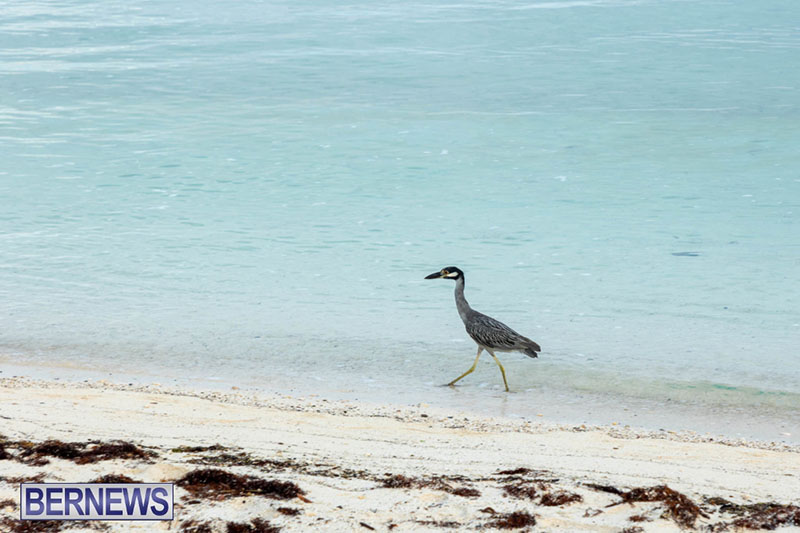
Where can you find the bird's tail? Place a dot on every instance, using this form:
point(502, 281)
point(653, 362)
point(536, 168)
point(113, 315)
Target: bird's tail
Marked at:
point(530, 348)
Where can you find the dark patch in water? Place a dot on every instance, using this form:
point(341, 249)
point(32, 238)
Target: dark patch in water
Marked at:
point(686, 254)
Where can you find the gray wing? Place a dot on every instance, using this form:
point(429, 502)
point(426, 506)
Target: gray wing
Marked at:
point(492, 333)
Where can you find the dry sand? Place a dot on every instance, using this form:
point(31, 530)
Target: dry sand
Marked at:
point(386, 468)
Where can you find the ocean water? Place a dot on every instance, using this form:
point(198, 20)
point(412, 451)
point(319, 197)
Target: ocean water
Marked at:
point(250, 193)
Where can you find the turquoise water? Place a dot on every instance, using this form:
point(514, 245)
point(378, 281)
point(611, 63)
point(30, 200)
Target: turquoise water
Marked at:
point(251, 193)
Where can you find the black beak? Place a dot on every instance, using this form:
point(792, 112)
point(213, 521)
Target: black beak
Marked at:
point(434, 275)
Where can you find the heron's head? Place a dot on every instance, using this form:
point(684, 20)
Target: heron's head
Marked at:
point(453, 273)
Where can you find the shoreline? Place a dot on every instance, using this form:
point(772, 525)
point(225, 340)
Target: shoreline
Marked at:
point(420, 468)
point(717, 420)
point(420, 412)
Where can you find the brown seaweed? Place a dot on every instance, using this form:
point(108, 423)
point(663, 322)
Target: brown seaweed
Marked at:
point(9, 525)
point(765, 516)
point(220, 484)
point(559, 498)
point(37, 454)
point(198, 449)
point(192, 526)
point(257, 525)
point(37, 478)
point(522, 491)
point(114, 450)
point(679, 507)
point(444, 524)
point(515, 520)
point(399, 481)
point(8, 503)
point(114, 478)
point(542, 476)
point(515, 472)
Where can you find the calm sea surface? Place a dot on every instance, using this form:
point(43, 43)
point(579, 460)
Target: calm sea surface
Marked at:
point(250, 193)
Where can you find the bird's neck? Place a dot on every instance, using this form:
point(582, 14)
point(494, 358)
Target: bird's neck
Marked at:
point(461, 303)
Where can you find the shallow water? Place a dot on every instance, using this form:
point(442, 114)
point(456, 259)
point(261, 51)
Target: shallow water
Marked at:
point(252, 193)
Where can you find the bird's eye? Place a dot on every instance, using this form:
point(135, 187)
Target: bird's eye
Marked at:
point(445, 272)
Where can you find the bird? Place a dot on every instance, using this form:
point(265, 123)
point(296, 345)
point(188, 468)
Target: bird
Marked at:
point(489, 334)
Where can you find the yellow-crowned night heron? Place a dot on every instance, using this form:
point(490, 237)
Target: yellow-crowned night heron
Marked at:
point(488, 333)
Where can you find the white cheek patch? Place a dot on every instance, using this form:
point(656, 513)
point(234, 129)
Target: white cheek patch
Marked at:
point(452, 275)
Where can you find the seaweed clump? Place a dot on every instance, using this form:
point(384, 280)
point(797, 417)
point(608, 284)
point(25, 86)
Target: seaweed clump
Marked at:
point(191, 526)
point(679, 507)
point(770, 516)
point(515, 520)
point(523, 490)
point(399, 481)
point(114, 478)
point(114, 450)
point(8, 502)
point(518, 487)
point(219, 484)
point(559, 498)
point(444, 524)
point(257, 525)
point(767, 516)
point(37, 454)
point(198, 449)
point(32, 526)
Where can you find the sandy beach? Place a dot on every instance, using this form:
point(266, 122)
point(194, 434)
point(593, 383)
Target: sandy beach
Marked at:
point(246, 461)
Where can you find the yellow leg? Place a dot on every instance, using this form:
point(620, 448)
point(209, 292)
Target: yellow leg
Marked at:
point(502, 370)
point(470, 368)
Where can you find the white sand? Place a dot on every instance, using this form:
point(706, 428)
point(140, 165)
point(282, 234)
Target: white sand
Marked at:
point(419, 442)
